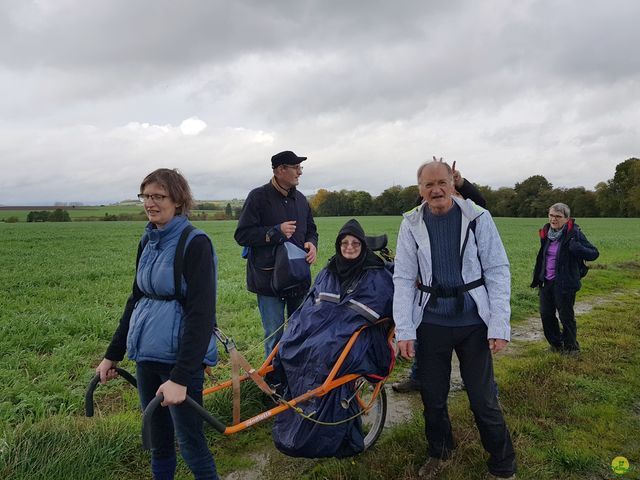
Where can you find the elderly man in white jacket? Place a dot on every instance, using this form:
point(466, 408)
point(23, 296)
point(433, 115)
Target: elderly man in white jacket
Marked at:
point(452, 289)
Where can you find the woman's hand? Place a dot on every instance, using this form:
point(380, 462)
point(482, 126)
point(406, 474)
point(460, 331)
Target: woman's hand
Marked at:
point(174, 393)
point(106, 370)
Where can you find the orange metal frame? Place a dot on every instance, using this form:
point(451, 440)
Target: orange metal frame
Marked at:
point(329, 384)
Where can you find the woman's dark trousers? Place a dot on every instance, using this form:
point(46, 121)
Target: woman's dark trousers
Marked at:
point(551, 300)
point(435, 347)
point(180, 421)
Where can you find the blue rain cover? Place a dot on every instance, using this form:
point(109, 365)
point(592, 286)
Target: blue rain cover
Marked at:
point(310, 346)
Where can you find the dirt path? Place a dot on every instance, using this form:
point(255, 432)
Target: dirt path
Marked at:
point(401, 407)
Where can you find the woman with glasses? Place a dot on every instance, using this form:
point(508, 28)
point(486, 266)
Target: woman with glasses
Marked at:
point(354, 289)
point(557, 272)
point(167, 324)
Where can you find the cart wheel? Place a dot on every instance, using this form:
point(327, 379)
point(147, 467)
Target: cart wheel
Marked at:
point(373, 419)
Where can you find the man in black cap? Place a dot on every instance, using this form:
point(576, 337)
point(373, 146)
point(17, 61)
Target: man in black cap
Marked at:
point(272, 214)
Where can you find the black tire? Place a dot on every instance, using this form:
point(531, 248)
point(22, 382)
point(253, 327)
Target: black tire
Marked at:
point(374, 418)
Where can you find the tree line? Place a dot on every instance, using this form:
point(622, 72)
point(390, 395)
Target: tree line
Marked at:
point(58, 215)
point(617, 197)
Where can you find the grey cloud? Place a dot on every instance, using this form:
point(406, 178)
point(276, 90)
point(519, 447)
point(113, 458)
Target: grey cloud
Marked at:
point(383, 84)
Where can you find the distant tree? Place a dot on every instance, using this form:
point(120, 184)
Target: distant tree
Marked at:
point(38, 216)
point(585, 205)
point(502, 203)
point(228, 211)
point(389, 202)
point(581, 201)
point(207, 206)
point(332, 205)
point(533, 196)
point(625, 186)
point(408, 198)
point(606, 201)
point(59, 215)
point(318, 199)
point(12, 219)
point(361, 202)
point(110, 218)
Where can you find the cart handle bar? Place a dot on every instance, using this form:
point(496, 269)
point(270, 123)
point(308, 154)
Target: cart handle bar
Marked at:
point(151, 408)
point(88, 397)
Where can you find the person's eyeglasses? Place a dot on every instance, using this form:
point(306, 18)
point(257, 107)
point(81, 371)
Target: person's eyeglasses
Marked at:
point(155, 197)
point(354, 244)
point(553, 215)
point(294, 167)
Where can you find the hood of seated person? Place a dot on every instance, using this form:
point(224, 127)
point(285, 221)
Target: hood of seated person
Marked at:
point(348, 270)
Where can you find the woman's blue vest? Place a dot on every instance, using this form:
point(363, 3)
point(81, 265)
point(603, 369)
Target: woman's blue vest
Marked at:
point(155, 327)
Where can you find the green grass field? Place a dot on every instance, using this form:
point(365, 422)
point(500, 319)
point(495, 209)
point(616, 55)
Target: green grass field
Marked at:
point(64, 286)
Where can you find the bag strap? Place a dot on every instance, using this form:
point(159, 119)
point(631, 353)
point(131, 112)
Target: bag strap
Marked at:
point(178, 266)
point(178, 263)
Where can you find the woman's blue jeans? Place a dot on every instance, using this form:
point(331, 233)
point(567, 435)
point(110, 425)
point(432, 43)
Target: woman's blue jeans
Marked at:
point(180, 421)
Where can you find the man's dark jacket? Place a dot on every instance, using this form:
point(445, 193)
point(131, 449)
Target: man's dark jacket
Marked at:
point(259, 228)
point(574, 249)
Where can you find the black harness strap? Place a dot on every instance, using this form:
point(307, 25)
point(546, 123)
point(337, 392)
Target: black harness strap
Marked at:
point(438, 291)
point(449, 292)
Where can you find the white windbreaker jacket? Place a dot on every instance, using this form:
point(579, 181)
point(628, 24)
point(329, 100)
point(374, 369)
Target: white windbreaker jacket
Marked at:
point(484, 255)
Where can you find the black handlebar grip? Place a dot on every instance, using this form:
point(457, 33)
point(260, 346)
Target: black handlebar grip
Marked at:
point(88, 397)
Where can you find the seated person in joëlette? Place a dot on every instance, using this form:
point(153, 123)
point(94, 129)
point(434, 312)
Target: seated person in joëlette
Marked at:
point(354, 289)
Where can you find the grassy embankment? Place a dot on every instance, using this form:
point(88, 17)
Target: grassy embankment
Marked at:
point(63, 290)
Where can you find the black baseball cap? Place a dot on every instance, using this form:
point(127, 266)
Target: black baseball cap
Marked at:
point(286, 158)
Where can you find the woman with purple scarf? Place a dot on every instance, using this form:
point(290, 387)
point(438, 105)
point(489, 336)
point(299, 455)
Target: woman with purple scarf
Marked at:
point(559, 267)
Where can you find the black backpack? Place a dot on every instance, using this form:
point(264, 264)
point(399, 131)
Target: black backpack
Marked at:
point(583, 268)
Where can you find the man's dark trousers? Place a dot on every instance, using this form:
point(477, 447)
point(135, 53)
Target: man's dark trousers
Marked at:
point(435, 347)
point(550, 301)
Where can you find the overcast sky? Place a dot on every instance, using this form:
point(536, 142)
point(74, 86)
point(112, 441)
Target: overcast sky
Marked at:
point(98, 93)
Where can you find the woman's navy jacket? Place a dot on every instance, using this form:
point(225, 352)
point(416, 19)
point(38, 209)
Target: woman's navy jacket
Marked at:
point(315, 337)
point(574, 248)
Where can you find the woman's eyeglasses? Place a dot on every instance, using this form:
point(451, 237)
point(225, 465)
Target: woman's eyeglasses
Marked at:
point(354, 244)
point(155, 197)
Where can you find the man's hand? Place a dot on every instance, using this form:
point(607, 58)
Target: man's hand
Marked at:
point(457, 176)
point(311, 252)
point(288, 228)
point(497, 344)
point(406, 349)
point(174, 393)
point(107, 370)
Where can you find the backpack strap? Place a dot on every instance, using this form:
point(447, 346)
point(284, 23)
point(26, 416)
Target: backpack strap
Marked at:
point(178, 267)
point(178, 262)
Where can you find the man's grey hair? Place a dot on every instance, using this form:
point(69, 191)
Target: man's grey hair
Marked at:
point(563, 208)
point(430, 162)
